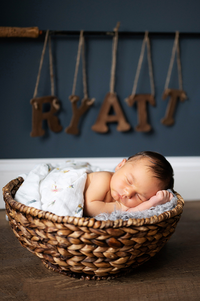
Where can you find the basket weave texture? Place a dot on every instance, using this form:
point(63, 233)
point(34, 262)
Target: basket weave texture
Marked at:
point(84, 246)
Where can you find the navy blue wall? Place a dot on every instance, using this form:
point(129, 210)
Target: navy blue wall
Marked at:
point(19, 61)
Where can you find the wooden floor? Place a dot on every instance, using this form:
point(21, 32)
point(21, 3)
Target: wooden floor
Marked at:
point(173, 274)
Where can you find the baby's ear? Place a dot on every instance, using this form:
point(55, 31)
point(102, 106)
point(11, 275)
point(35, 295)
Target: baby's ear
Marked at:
point(120, 164)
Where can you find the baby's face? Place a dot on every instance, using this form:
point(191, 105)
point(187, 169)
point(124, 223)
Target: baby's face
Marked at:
point(133, 182)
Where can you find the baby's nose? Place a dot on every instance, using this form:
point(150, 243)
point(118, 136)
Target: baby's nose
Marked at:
point(129, 193)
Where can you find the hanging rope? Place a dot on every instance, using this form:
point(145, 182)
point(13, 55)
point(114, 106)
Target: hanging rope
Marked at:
point(145, 42)
point(51, 67)
point(41, 63)
point(150, 66)
point(114, 57)
point(77, 62)
point(84, 69)
point(81, 49)
point(47, 37)
point(174, 50)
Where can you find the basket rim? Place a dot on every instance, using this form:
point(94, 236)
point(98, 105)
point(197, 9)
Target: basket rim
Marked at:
point(90, 222)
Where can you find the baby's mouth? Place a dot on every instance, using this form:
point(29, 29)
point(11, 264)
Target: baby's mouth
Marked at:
point(121, 196)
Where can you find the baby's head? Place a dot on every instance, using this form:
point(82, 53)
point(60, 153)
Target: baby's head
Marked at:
point(159, 166)
point(140, 177)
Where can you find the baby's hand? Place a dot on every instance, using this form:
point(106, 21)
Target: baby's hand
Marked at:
point(161, 197)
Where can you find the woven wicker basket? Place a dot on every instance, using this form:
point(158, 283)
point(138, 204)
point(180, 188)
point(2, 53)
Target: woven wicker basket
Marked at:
point(84, 247)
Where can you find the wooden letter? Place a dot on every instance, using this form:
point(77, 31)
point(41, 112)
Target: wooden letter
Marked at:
point(77, 113)
point(38, 116)
point(104, 117)
point(141, 100)
point(174, 95)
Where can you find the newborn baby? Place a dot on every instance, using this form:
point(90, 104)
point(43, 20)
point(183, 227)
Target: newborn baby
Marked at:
point(139, 183)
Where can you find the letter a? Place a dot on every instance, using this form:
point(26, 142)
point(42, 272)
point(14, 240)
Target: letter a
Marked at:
point(103, 118)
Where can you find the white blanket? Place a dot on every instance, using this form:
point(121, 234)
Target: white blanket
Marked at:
point(58, 189)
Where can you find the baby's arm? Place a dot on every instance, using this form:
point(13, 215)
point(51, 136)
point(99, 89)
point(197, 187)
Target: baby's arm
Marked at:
point(161, 197)
point(97, 195)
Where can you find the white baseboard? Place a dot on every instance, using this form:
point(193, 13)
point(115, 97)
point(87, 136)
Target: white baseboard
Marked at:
point(186, 170)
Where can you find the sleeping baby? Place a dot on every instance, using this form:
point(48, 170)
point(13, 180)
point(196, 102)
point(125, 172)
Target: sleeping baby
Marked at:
point(139, 183)
point(78, 189)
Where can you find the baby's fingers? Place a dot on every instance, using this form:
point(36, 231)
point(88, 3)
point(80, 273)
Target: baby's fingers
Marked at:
point(165, 195)
point(170, 195)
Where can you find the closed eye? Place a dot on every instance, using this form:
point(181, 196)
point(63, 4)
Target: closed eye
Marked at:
point(141, 198)
point(128, 181)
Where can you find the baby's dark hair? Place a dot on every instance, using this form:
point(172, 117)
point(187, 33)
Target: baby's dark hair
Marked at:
point(160, 167)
